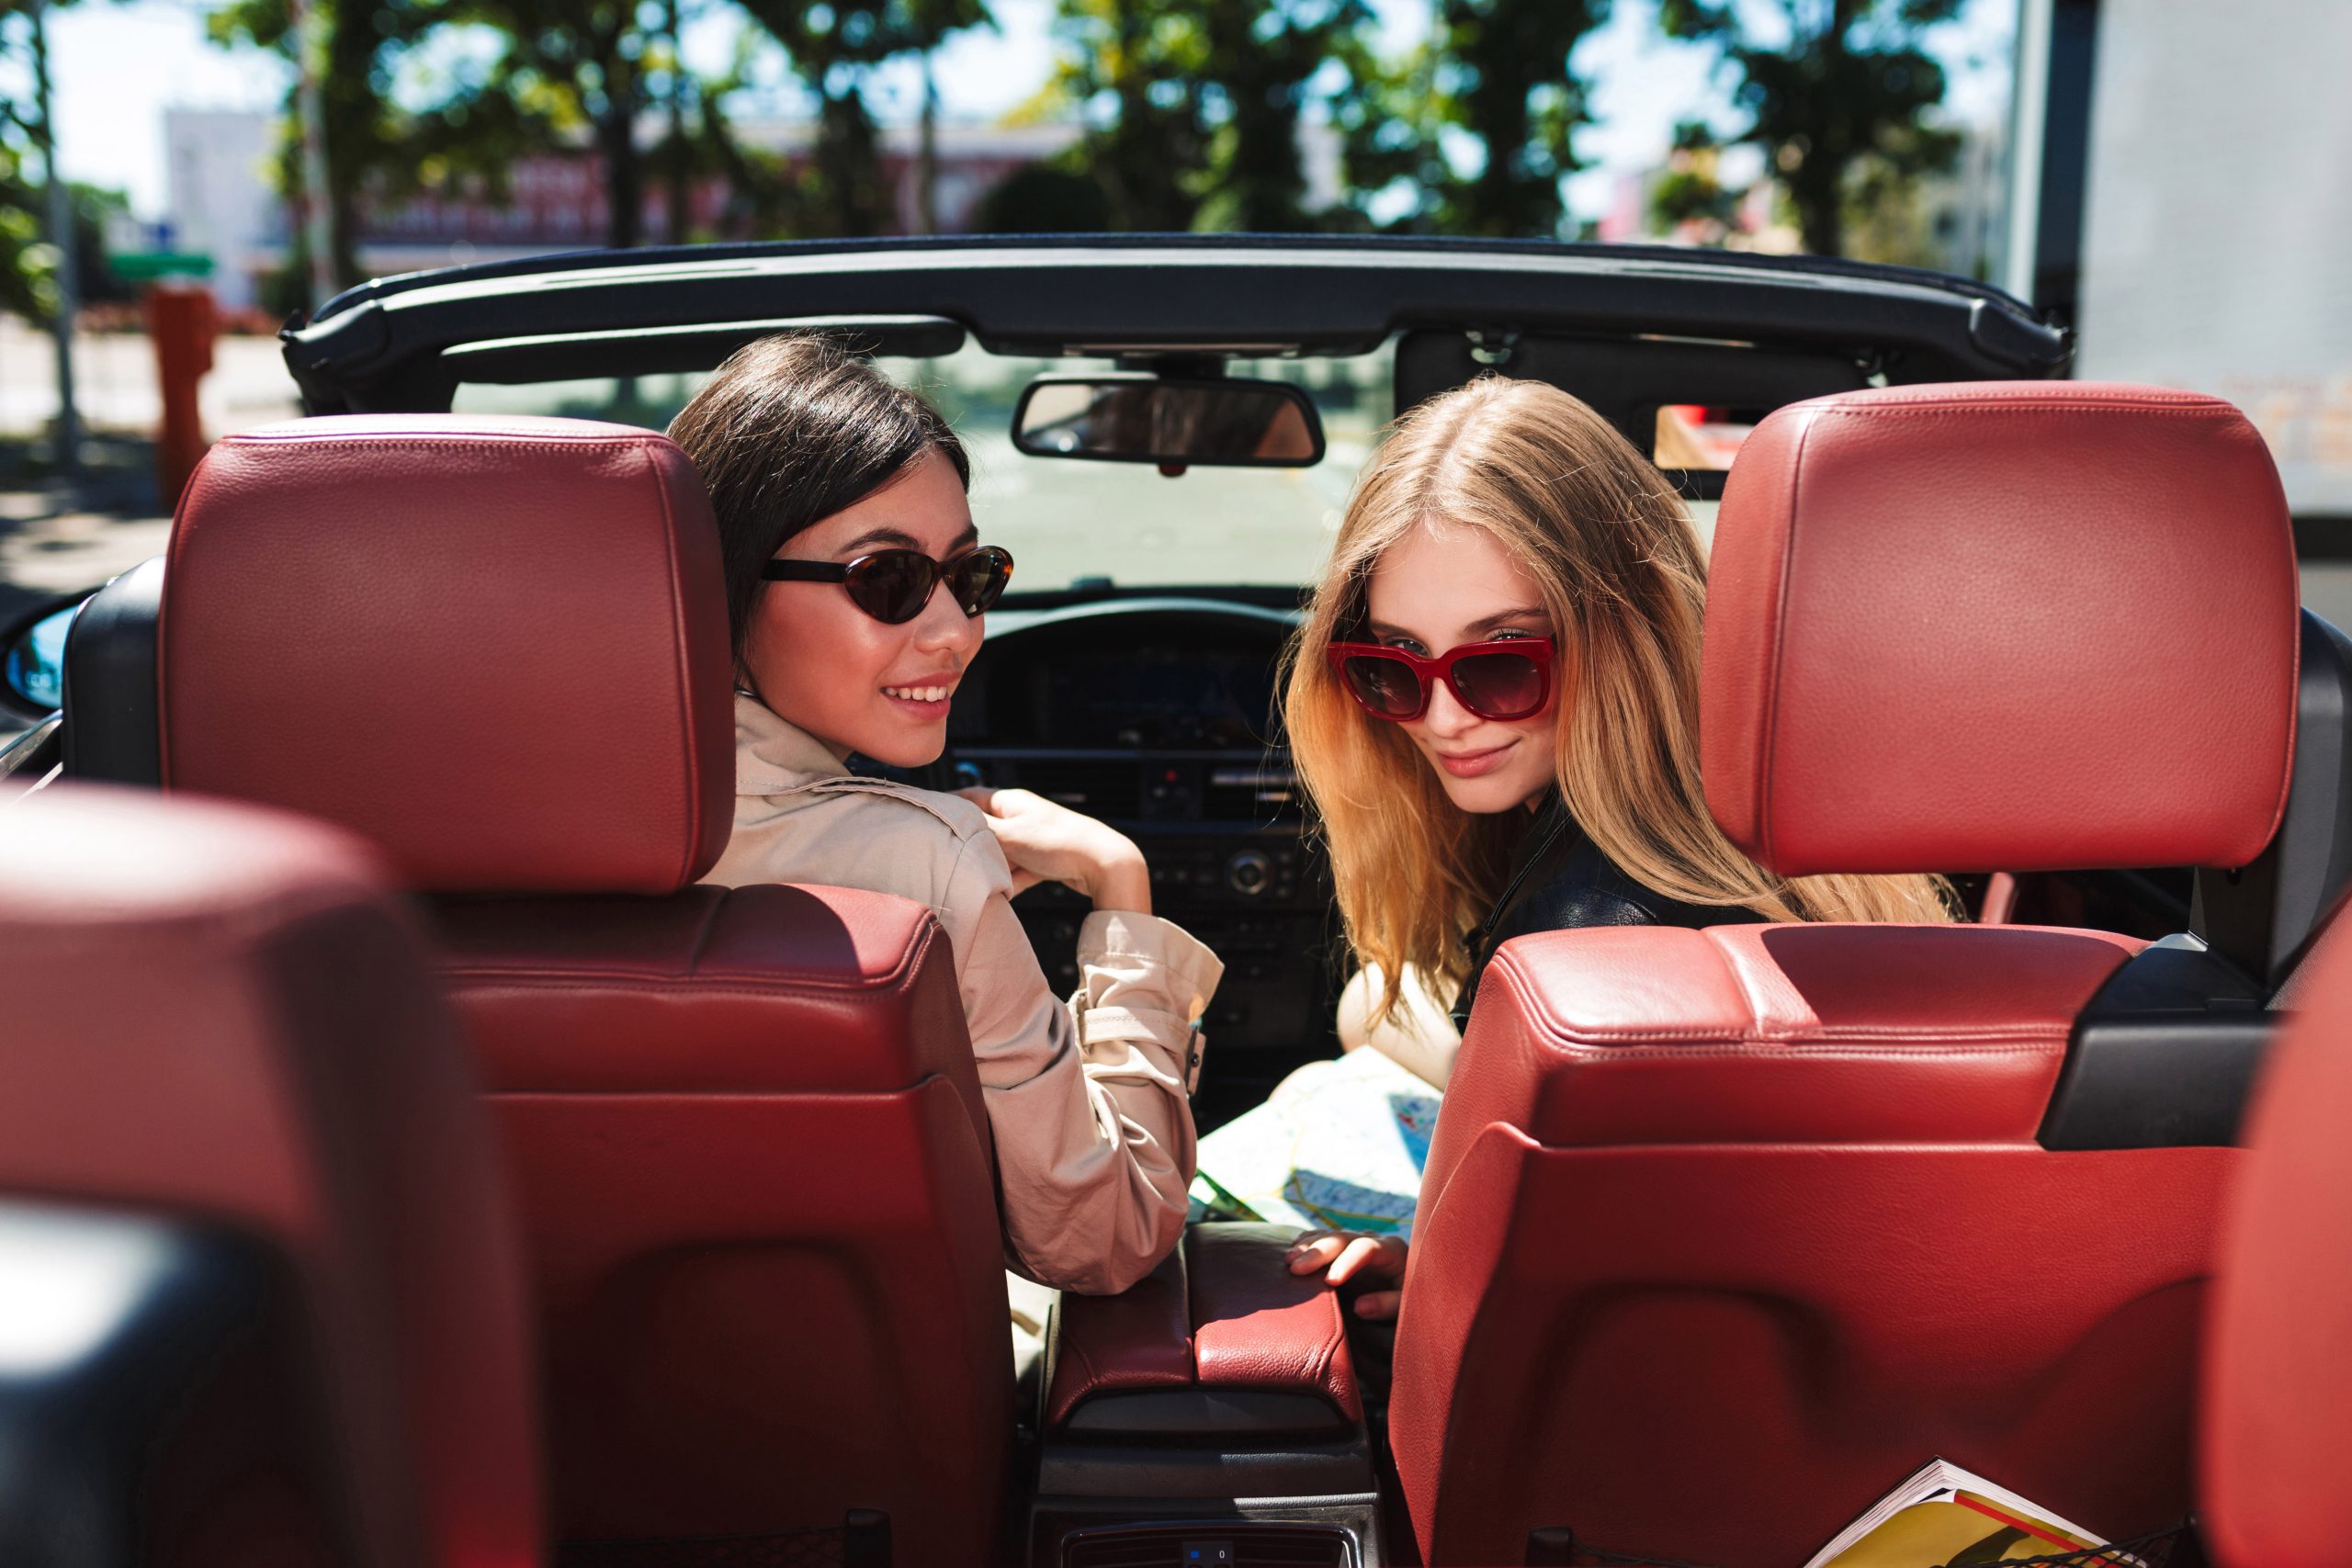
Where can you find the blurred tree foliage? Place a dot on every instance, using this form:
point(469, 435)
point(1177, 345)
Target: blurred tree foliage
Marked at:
point(1689, 200)
point(28, 258)
point(1255, 114)
point(835, 47)
point(1040, 198)
point(370, 144)
point(1194, 106)
point(1502, 79)
point(1843, 92)
point(567, 67)
point(28, 267)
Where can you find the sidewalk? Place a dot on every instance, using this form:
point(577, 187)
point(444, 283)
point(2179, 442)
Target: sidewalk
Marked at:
point(57, 540)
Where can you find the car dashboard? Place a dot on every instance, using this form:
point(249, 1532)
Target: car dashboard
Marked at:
point(1157, 715)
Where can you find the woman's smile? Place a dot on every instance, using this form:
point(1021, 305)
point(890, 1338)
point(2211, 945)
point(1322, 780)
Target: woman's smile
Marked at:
point(1471, 764)
point(925, 701)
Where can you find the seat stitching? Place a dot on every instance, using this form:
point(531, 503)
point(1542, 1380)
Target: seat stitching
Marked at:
point(690, 759)
point(1770, 745)
point(749, 989)
point(1769, 1051)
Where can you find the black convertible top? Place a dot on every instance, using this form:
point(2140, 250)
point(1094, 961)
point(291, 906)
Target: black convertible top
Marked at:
point(404, 343)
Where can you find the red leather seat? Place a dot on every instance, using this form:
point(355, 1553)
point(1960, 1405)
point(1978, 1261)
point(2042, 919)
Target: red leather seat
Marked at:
point(1724, 1233)
point(216, 1019)
point(745, 1124)
point(2276, 1455)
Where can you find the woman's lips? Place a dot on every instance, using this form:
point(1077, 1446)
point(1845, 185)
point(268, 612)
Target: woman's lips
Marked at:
point(1470, 764)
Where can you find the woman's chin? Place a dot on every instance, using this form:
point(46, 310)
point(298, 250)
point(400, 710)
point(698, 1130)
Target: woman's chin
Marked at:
point(899, 748)
point(1485, 796)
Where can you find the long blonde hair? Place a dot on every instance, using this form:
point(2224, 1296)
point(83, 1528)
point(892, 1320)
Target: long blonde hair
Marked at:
point(1624, 579)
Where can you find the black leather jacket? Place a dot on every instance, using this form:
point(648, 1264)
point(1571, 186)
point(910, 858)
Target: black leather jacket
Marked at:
point(1560, 880)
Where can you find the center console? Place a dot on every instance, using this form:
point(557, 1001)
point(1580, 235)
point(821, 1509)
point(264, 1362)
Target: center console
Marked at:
point(1209, 1417)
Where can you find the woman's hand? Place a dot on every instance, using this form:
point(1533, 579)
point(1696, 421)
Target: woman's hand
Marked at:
point(1046, 842)
point(1342, 1255)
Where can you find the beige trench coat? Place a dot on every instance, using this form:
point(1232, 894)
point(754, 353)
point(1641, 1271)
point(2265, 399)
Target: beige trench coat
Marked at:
point(1087, 1099)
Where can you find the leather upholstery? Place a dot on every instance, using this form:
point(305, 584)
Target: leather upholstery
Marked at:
point(494, 647)
point(744, 1125)
point(212, 1012)
point(1723, 1233)
point(1222, 1312)
point(747, 1131)
point(2276, 1441)
point(2000, 626)
point(1704, 1290)
point(1782, 1034)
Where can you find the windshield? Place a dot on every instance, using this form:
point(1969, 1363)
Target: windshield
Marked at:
point(1088, 523)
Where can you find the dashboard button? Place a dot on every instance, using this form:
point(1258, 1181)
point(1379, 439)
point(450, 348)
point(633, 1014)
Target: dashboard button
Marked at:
point(1248, 872)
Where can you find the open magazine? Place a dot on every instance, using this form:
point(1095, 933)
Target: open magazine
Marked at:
point(1339, 1146)
point(1946, 1515)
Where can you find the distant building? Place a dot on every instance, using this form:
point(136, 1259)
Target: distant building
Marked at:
point(224, 201)
point(1953, 221)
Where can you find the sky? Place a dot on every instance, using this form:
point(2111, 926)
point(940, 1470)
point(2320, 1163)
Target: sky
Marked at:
point(117, 66)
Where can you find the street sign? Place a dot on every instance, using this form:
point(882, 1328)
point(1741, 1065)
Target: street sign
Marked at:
point(145, 266)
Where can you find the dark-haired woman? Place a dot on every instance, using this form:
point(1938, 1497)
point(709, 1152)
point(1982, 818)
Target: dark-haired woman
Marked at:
point(855, 583)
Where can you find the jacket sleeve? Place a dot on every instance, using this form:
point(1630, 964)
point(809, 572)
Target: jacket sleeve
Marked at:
point(1088, 1099)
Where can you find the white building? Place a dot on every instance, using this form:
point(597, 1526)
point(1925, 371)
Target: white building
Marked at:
point(223, 195)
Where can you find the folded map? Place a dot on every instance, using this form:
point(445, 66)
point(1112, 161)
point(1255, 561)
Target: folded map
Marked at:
point(1340, 1146)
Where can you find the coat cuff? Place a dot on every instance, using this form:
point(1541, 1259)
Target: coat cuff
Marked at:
point(1191, 969)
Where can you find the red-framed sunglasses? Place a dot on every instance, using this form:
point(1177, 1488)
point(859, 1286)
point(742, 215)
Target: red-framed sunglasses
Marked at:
point(1508, 679)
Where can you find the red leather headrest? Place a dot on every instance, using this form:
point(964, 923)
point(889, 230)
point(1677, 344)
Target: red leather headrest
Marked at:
point(2000, 625)
point(2277, 1433)
point(494, 647)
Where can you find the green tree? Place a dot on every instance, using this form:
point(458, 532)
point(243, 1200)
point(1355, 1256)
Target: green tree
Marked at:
point(566, 68)
point(369, 141)
point(1039, 198)
point(28, 267)
point(1849, 82)
point(1270, 62)
point(29, 258)
point(1198, 103)
point(1507, 82)
point(1137, 67)
point(1689, 198)
point(835, 49)
point(1474, 130)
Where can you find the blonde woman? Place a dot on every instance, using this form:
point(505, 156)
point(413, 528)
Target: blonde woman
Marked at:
point(1494, 704)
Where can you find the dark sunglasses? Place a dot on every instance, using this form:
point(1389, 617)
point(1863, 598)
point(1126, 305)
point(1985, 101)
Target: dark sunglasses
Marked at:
point(1505, 680)
point(893, 586)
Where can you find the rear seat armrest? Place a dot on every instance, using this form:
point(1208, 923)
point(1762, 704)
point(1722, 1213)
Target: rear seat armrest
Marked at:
point(1223, 1317)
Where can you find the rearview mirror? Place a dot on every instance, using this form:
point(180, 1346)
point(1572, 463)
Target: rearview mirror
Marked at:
point(1173, 423)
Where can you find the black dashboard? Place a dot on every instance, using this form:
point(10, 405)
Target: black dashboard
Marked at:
point(1159, 716)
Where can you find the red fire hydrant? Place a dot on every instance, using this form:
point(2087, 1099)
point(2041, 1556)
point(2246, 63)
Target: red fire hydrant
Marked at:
point(182, 323)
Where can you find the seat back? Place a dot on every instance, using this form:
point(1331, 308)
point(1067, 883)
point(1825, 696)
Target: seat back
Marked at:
point(266, 1299)
point(745, 1124)
point(1724, 1233)
point(2275, 1449)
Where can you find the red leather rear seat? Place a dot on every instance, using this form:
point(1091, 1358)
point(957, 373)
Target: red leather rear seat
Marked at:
point(745, 1123)
point(1724, 1233)
point(2276, 1454)
point(216, 1017)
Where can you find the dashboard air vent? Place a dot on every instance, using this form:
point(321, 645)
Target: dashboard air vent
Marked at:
point(1099, 789)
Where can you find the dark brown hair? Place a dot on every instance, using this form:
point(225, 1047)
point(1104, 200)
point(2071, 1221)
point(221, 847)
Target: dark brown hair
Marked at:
point(788, 431)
